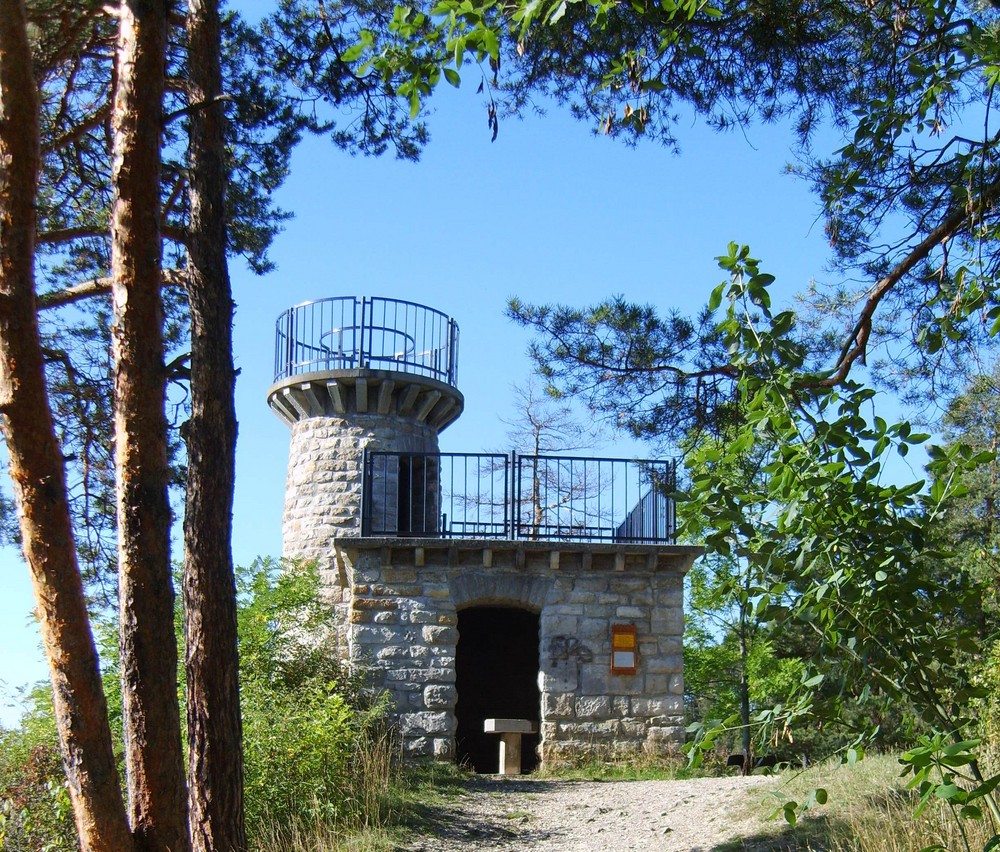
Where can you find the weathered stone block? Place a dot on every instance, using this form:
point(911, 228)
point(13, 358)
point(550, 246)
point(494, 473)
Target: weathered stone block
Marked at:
point(374, 603)
point(444, 748)
point(557, 706)
point(593, 707)
point(405, 591)
point(621, 705)
point(439, 696)
point(633, 612)
point(418, 746)
point(367, 635)
point(399, 575)
point(562, 624)
point(561, 676)
point(657, 684)
point(437, 592)
point(594, 630)
point(634, 729)
point(420, 724)
point(649, 707)
point(440, 635)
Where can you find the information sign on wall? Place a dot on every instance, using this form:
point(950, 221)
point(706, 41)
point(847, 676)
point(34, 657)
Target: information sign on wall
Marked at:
point(624, 649)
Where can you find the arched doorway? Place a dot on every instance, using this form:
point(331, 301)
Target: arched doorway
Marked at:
point(496, 666)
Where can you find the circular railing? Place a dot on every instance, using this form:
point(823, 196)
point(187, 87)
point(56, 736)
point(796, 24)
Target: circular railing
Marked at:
point(346, 332)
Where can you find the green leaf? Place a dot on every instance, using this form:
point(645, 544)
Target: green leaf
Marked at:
point(959, 748)
point(451, 75)
point(353, 53)
point(716, 298)
point(947, 791)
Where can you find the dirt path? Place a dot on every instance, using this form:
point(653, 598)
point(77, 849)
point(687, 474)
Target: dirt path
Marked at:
point(588, 816)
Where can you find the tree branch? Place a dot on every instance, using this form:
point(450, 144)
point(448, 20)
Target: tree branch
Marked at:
point(856, 346)
point(97, 287)
point(63, 235)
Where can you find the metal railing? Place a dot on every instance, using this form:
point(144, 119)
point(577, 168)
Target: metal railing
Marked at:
point(346, 332)
point(465, 495)
point(518, 497)
point(593, 499)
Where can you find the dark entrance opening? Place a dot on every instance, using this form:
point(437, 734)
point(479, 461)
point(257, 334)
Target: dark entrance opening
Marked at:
point(496, 668)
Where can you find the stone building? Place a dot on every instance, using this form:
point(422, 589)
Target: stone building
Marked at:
point(475, 586)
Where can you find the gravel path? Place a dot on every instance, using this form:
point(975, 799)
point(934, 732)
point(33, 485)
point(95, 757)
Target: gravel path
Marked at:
point(590, 816)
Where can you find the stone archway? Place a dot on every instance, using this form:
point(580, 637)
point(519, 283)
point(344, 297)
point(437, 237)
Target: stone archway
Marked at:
point(496, 667)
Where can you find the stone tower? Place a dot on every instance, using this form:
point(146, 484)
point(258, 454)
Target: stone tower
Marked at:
point(354, 374)
point(484, 593)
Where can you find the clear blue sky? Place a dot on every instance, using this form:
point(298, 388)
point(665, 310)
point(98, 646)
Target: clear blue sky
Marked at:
point(548, 213)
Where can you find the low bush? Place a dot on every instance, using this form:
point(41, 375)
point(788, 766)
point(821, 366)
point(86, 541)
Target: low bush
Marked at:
point(320, 757)
point(35, 814)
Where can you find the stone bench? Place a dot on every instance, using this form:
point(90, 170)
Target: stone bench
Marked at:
point(511, 731)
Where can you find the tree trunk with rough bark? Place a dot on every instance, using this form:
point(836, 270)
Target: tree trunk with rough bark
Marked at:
point(153, 753)
point(215, 754)
point(37, 471)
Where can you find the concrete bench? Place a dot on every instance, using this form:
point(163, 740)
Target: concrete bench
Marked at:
point(511, 731)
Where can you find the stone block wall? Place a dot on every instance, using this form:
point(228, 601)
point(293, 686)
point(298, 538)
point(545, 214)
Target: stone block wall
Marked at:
point(398, 603)
point(323, 486)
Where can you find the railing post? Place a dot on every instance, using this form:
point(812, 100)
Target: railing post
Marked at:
point(366, 524)
point(515, 496)
point(290, 346)
point(451, 351)
point(361, 334)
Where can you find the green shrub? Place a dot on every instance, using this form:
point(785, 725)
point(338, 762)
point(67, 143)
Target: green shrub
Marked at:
point(319, 756)
point(35, 814)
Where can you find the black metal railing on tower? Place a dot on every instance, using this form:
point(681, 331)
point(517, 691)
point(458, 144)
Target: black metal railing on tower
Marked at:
point(518, 497)
point(346, 332)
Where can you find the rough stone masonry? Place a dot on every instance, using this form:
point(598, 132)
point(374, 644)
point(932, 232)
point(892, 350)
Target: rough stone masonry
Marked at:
point(398, 603)
point(397, 600)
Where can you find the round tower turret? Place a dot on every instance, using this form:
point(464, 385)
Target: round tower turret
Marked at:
point(362, 381)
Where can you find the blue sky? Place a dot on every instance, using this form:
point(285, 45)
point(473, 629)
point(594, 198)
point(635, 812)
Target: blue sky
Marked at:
point(548, 212)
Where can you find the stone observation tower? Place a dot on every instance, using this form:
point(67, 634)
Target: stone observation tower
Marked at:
point(354, 374)
point(534, 597)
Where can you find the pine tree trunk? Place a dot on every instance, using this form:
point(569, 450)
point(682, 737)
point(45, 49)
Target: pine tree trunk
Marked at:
point(215, 755)
point(153, 754)
point(37, 471)
point(745, 690)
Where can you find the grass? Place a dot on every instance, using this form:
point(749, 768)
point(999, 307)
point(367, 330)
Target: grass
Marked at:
point(868, 810)
point(630, 767)
point(409, 802)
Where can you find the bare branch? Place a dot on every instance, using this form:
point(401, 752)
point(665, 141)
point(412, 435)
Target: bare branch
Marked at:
point(97, 287)
point(64, 235)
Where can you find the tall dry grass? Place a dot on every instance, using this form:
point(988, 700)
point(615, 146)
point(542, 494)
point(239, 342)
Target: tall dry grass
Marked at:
point(366, 814)
point(868, 809)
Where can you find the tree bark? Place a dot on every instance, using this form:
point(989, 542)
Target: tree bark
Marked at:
point(36, 467)
point(215, 751)
point(153, 754)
